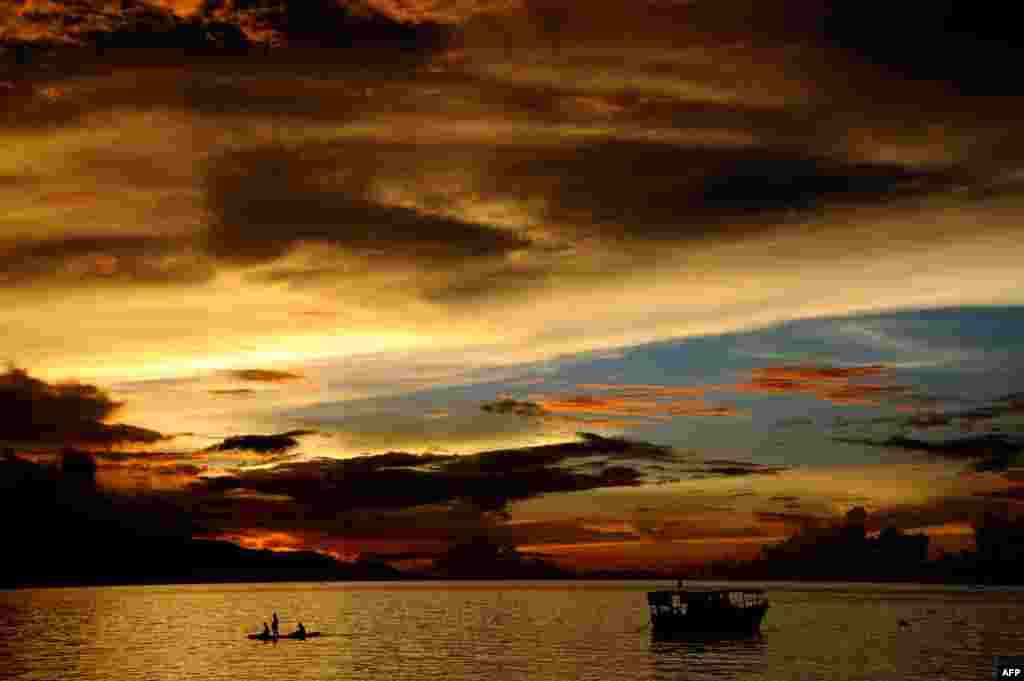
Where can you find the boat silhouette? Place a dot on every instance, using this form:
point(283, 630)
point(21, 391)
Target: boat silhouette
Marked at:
point(719, 611)
point(294, 636)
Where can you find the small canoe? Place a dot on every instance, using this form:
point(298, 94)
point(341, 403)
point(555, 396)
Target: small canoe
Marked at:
point(294, 636)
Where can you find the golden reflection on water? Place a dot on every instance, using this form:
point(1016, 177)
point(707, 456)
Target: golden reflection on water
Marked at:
point(495, 631)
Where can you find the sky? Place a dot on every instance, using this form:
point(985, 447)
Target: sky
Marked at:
point(701, 273)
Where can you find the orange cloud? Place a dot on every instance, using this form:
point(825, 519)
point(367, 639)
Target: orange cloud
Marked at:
point(831, 384)
point(819, 373)
point(646, 389)
point(587, 404)
point(180, 7)
point(651, 555)
point(660, 410)
point(275, 541)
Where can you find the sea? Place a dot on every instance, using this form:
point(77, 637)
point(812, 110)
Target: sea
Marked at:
point(498, 631)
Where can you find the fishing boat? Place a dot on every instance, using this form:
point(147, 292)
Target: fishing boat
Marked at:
point(294, 636)
point(734, 611)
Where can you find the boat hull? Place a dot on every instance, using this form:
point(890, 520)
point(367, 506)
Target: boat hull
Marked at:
point(284, 637)
point(725, 620)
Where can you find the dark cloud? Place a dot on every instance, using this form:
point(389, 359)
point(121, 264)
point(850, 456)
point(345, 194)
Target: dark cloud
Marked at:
point(681, 194)
point(848, 422)
point(263, 444)
point(102, 259)
point(795, 421)
point(1012, 493)
point(265, 202)
point(183, 470)
point(990, 415)
point(820, 373)
point(393, 482)
point(63, 40)
point(232, 391)
point(224, 92)
point(216, 27)
point(733, 471)
point(78, 533)
point(89, 23)
point(327, 23)
point(158, 458)
point(589, 445)
point(39, 412)
point(959, 43)
point(929, 420)
point(948, 509)
point(502, 279)
point(990, 452)
point(731, 468)
point(799, 520)
point(264, 375)
point(1009, 406)
point(518, 407)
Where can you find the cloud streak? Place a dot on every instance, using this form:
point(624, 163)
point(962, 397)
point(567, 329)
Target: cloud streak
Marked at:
point(987, 453)
point(102, 259)
point(264, 375)
point(263, 444)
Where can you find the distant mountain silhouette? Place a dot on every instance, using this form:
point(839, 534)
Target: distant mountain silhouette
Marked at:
point(845, 552)
point(62, 529)
point(483, 558)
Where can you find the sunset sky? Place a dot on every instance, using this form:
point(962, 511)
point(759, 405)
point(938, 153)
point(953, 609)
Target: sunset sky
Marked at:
point(775, 249)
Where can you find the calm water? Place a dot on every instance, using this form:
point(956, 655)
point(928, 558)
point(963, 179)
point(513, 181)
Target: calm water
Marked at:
point(496, 631)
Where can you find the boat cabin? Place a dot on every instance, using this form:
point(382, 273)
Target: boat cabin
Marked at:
point(722, 609)
point(678, 602)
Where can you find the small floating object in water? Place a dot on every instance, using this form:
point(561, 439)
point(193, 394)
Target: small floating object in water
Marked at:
point(904, 623)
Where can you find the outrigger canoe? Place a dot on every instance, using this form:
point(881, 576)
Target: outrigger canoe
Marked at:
point(295, 636)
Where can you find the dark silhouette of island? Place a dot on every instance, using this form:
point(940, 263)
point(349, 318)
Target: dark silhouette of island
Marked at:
point(62, 529)
point(65, 530)
point(844, 551)
point(483, 558)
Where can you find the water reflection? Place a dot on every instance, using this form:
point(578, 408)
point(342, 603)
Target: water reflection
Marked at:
point(496, 632)
point(698, 656)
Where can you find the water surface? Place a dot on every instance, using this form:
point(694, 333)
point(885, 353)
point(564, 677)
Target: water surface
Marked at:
point(497, 631)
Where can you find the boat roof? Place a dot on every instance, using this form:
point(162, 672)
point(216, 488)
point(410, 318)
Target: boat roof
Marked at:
point(656, 597)
point(705, 592)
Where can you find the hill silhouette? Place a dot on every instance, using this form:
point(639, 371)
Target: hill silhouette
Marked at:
point(63, 529)
point(484, 558)
point(844, 551)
